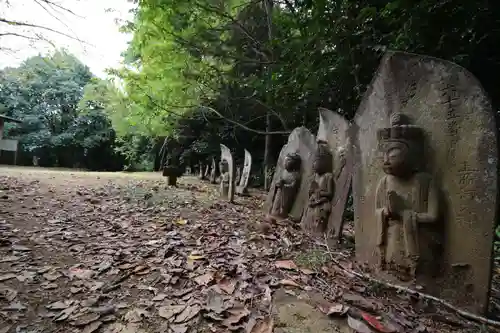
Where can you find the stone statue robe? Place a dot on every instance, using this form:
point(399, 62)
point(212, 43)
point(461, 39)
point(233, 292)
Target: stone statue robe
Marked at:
point(415, 201)
point(224, 184)
point(284, 197)
point(319, 207)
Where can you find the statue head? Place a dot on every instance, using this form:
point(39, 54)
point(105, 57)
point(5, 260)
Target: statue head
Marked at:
point(224, 166)
point(323, 159)
point(292, 162)
point(398, 143)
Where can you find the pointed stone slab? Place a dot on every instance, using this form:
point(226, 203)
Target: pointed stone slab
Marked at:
point(241, 189)
point(302, 142)
point(451, 106)
point(227, 156)
point(334, 129)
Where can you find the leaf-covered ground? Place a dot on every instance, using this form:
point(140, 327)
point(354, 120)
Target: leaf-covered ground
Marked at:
point(123, 253)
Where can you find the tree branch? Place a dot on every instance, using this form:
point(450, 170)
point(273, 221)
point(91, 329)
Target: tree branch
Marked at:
point(36, 26)
point(242, 125)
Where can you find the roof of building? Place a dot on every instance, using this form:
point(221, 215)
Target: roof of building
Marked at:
point(10, 119)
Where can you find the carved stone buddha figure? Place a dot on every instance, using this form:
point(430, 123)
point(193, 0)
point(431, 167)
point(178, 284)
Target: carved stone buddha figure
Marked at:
point(286, 188)
point(406, 198)
point(321, 191)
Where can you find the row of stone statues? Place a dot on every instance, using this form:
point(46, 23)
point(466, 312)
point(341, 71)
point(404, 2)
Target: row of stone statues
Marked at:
point(421, 159)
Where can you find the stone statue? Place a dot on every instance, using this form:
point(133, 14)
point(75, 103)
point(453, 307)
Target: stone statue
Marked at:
point(303, 143)
point(405, 198)
point(435, 191)
point(321, 191)
point(241, 189)
point(224, 179)
point(334, 129)
point(213, 172)
point(227, 173)
point(285, 190)
point(238, 175)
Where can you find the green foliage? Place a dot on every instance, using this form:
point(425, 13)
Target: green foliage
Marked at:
point(64, 123)
point(245, 60)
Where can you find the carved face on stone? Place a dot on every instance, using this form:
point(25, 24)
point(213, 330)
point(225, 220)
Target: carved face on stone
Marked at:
point(396, 161)
point(322, 160)
point(224, 166)
point(292, 162)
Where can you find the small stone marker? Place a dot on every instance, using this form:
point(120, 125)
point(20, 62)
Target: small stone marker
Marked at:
point(334, 129)
point(301, 143)
point(213, 172)
point(426, 208)
point(227, 174)
point(171, 172)
point(241, 189)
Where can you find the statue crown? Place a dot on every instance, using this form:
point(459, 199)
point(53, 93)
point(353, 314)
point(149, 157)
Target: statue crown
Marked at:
point(400, 130)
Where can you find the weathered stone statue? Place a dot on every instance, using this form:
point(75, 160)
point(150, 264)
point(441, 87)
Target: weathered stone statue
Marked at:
point(206, 173)
point(303, 143)
point(241, 189)
point(428, 206)
point(334, 129)
point(238, 175)
point(321, 191)
point(213, 172)
point(405, 198)
point(224, 178)
point(201, 171)
point(285, 189)
point(227, 174)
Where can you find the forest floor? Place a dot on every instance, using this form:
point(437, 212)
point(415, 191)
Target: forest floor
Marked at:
point(124, 253)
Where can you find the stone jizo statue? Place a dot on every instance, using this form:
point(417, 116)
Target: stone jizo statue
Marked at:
point(406, 197)
point(286, 188)
point(321, 191)
point(224, 178)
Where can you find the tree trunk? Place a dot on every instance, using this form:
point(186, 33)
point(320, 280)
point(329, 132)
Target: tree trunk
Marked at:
point(268, 5)
point(267, 152)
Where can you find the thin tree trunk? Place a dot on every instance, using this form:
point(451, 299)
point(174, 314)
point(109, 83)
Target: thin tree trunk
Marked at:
point(268, 5)
point(267, 152)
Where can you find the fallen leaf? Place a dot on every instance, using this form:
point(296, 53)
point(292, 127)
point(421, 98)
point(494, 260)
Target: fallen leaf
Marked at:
point(181, 222)
point(360, 302)
point(358, 326)
point(215, 302)
point(64, 314)
point(333, 309)
point(169, 311)
point(92, 327)
point(263, 326)
point(159, 297)
point(195, 257)
point(204, 279)
point(20, 248)
point(7, 276)
point(228, 285)
point(52, 276)
point(375, 323)
point(188, 313)
point(307, 271)
point(285, 264)
point(86, 319)
point(236, 315)
point(290, 283)
point(14, 306)
point(59, 305)
point(136, 315)
point(179, 328)
point(7, 293)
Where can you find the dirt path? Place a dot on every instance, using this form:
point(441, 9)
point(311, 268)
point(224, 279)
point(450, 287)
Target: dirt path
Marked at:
point(117, 252)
